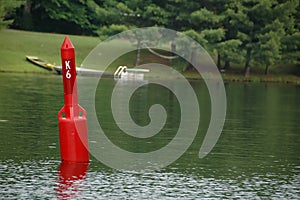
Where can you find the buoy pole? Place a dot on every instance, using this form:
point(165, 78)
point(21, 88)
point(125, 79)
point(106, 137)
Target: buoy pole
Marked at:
point(72, 124)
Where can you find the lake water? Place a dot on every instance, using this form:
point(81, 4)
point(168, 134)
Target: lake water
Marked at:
point(257, 155)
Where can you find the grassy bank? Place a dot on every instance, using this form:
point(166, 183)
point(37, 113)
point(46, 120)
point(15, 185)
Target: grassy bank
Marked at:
point(15, 45)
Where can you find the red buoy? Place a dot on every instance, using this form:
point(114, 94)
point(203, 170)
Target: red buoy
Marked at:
point(72, 117)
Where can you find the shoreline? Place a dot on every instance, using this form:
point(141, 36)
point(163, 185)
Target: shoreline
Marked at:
point(282, 79)
point(228, 77)
point(254, 78)
point(20, 43)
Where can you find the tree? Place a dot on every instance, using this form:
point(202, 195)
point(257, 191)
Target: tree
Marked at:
point(230, 48)
point(179, 13)
point(291, 47)
point(7, 8)
point(206, 23)
point(266, 20)
point(269, 45)
point(216, 23)
point(229, 51)
point(213, 38)
point(190, 49)
point(291, 40)
point(63, 16)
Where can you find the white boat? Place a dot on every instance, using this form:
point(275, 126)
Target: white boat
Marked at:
point(124, 73)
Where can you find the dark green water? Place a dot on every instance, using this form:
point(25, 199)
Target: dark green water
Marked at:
point(257, 155)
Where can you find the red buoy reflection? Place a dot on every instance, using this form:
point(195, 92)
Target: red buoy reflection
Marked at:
point(71, 178)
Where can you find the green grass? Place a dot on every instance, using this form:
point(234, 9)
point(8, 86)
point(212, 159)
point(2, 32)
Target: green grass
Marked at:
point(15, 45)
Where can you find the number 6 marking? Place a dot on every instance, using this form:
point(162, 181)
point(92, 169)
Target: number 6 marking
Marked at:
point(68, 75)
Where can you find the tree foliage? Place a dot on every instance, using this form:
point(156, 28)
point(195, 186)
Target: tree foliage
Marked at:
point(244, 32)
point(7, 9)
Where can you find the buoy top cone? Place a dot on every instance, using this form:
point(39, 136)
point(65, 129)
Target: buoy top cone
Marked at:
point(69, 70)
point(67, 48)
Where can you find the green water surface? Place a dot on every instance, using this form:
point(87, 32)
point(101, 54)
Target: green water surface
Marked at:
point(256, 156)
